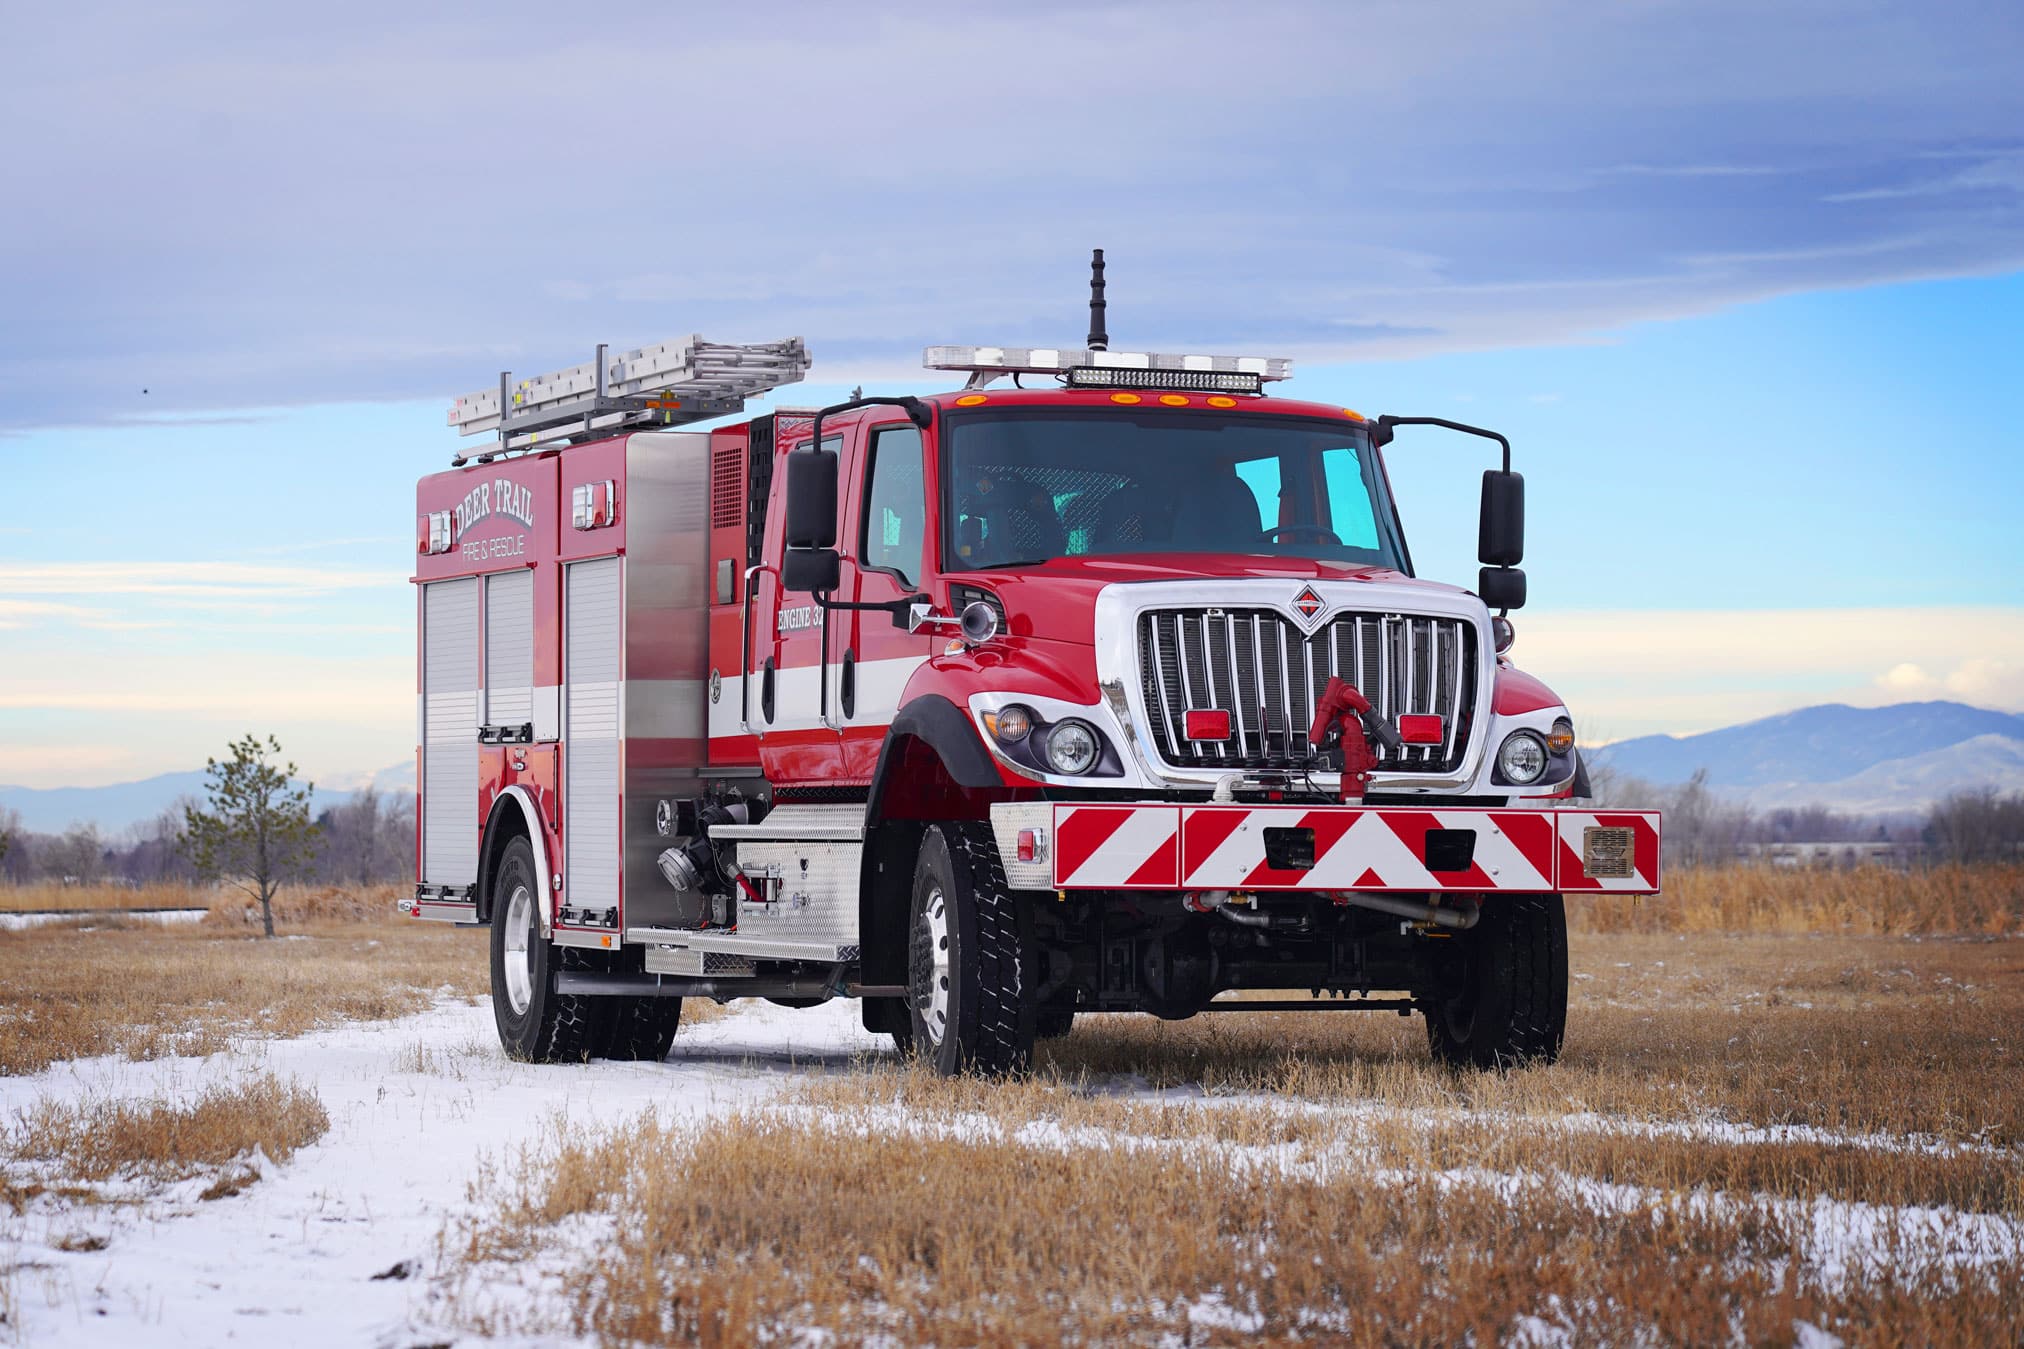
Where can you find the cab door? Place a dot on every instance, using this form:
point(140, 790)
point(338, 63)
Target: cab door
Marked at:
point(888, 557)
point(793, 641)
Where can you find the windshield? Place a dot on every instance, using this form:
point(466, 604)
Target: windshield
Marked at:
point(1024, 486)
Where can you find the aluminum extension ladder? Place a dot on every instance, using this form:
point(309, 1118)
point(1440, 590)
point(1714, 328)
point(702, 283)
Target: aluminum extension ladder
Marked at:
point(667, 384)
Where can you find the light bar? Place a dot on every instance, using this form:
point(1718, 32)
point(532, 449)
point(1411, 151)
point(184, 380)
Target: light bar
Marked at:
point(1065, 361)
point(1197, 381)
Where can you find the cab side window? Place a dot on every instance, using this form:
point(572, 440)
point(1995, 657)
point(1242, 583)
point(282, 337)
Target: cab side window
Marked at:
point(895, 503)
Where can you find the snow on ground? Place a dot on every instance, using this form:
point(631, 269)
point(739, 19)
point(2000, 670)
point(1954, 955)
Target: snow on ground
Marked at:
point(292, 1260)
point(27, 918)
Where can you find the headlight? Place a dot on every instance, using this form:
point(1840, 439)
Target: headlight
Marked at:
point(1522, 758)
point(1072, 748)
point(1561, 738)
point(1009, 725)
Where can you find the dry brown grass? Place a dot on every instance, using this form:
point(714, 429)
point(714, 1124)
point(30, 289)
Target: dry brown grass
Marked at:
point(763, 1225)
point(1861, 901)
point(1318, 1172)
point(1886, 1035)
point(160, 1139)
point(47, 895)
point(147, 990)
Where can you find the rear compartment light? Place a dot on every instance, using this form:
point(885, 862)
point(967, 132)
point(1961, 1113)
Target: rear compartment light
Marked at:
point(1208, 724)
point(433, 533)
point(1420, 728)
point(593, 505)
point(1032, 845)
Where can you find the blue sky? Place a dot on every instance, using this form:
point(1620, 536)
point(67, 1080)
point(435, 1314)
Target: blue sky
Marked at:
point(1746, 291)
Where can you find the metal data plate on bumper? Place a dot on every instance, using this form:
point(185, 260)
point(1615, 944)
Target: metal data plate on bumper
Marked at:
point(1237, 847)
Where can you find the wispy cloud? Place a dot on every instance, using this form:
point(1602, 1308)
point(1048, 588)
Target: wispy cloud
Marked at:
point(228, 581)
point(1690, 170)
point(318, 545)
point(1415, 199)
point(2000, 173)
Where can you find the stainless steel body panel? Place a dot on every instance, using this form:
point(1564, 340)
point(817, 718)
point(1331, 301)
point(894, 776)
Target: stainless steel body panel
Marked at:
point(665, 510)
point(813, 897)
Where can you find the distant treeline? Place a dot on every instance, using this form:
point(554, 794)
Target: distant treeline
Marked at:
point(372, 837)
point(1703, 828)
point(369, 838)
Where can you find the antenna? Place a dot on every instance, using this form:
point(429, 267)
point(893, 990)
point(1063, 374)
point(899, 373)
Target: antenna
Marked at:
point(1099, 340)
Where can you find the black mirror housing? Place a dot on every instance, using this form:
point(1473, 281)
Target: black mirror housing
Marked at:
point(1501, 587)
point(811, 499)
point(811, 569)
point(1500, 533)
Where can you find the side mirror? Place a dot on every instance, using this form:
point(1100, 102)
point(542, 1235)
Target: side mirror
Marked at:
point(1501, 587)
point(1500, 533)
point(813, 569)
point(811, 500)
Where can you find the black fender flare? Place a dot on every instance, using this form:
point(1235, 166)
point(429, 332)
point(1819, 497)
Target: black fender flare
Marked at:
point(1581, 787)
point(890, 845)
point(949, 732)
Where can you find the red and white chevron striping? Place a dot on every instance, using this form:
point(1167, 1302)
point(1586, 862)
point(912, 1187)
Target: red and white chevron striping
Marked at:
point(1216, 847)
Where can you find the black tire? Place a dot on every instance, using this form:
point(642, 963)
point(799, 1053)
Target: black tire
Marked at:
point(549, 1027)
point(970, 1012)
point(639, 1030)
point(1052, 1023)
point(1506, 1001)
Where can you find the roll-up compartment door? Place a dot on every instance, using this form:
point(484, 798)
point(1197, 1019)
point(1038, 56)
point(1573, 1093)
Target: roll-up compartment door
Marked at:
point(450, 732)
point(592, 642)
point(509, 649)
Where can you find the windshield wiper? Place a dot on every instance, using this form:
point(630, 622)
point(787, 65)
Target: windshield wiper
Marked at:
point(1018, 562)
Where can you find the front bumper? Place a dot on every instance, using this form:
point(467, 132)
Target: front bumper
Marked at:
point(1166, 846)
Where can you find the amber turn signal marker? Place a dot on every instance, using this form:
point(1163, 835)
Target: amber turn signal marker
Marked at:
point(1221, 402)
point(1125, 398)
point(1173, 400)
point(970, 400)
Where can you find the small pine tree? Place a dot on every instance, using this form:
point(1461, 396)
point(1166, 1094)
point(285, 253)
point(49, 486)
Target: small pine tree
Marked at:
point(254, 832)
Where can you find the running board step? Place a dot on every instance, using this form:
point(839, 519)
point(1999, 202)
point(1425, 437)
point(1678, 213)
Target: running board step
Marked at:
point(800, 824)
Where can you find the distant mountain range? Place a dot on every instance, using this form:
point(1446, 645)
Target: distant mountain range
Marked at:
point(51, 810)
point(1862, 760)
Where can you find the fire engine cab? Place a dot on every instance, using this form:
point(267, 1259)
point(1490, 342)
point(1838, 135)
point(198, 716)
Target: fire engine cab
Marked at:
point(1103, 683)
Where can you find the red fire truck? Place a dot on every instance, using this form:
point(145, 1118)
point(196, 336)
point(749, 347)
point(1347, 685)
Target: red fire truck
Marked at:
point(1117, 693)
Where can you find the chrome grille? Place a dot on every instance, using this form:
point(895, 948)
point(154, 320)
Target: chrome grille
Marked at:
point(1259, 667)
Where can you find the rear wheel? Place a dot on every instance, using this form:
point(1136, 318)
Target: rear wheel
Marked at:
point(641, 1029)
point(966, 939)
point(536, 1024)
point(1505, 1000)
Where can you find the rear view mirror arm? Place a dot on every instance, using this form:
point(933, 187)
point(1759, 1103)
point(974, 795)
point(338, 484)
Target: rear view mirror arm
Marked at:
point(1381, 431)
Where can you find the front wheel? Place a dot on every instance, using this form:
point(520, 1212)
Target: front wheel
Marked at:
point(536, 1024)
point(1504, 995)
point(966, 940)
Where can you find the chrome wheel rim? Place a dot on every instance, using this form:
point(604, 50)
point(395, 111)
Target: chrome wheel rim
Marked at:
point(931, 967)
point(519, 960)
